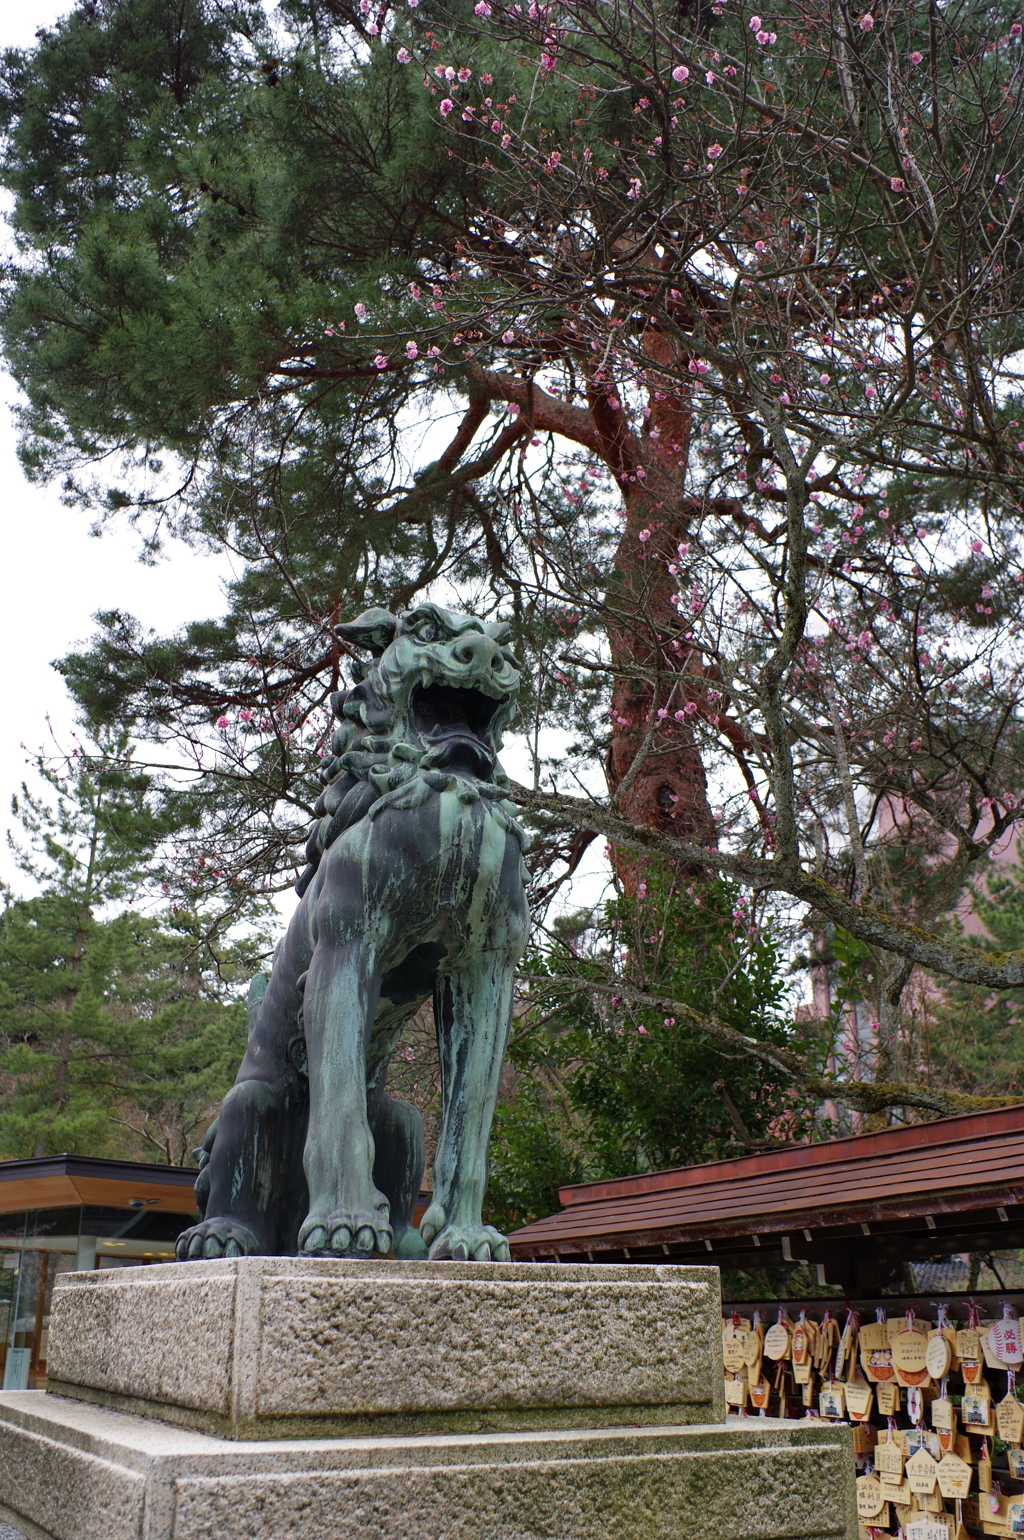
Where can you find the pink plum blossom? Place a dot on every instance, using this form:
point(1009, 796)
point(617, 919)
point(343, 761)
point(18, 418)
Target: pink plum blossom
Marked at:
point(680, 73)
point(446, 107)
point(403, 56)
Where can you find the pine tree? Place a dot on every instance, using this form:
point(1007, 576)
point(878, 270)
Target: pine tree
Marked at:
point(118, 1031)
point(732, 374)
point(973, 1038)
point(606, 1086)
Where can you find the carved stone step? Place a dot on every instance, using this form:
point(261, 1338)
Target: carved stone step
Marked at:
point(270, 1347)
point(69, 1471)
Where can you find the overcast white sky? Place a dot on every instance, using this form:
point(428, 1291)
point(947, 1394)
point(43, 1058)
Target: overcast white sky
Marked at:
point(56, 576)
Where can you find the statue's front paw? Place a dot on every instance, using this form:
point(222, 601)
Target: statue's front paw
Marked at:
point(349, 1232)
point(462, 1243)
point(216, 1238)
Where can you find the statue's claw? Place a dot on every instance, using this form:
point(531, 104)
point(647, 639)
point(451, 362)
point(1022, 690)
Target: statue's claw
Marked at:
point(216, 1238)
point(347, 1234)
point(464, 1243)
point(410, 1246)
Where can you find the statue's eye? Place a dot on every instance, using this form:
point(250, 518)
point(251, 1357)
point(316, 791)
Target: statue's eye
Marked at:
point(427, 632)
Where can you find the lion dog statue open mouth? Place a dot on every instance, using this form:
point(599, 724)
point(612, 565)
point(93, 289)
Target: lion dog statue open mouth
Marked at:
point(415, 888)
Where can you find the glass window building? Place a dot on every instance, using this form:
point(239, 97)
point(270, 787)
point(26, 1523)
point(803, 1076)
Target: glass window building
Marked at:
point(68, 1213)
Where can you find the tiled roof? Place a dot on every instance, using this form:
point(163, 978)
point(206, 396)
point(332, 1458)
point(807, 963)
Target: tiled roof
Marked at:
point(969, 1162)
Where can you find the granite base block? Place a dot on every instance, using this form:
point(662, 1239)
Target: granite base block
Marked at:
point(71, 1471)
point(268, 1347)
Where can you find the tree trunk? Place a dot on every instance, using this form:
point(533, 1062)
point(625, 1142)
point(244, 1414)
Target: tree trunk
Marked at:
point(667, 788)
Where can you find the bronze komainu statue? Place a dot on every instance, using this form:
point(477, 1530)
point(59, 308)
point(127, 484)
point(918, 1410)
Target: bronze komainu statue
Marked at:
point(415, 887)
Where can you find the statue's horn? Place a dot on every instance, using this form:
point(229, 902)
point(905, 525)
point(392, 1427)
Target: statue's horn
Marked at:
point(374, 629)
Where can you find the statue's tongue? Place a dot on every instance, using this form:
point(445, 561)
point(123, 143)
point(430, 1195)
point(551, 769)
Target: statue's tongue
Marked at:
point(459, 750)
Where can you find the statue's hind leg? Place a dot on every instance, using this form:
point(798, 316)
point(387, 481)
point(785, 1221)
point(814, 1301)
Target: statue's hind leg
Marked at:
point(252, 1182)
point(398, 1162)
point(255, 1158)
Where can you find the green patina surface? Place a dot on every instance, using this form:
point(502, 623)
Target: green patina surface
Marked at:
point(415, 889)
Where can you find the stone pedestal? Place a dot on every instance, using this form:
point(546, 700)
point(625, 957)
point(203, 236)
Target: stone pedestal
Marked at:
point(268, 1397)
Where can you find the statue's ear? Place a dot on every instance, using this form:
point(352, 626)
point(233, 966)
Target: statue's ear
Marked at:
point(374, 629)
point(499, 632)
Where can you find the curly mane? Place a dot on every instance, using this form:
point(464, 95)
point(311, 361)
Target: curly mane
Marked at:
point(368, 759)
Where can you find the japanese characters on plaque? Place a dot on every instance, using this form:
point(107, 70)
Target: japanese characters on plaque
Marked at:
point(938, 1423)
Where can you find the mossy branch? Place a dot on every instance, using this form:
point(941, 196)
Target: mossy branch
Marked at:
point(860, 1095)
point(968, 965)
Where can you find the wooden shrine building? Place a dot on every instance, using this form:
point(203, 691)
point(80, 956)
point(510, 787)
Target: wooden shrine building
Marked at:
point(66, 1213)
point(856, 1209)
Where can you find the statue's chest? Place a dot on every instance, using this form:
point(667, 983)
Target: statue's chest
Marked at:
point(435, 845)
